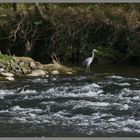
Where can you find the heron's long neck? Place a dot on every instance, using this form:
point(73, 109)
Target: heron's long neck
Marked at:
point(92, 54)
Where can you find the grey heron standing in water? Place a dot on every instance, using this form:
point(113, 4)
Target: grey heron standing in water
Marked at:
point(89, 60)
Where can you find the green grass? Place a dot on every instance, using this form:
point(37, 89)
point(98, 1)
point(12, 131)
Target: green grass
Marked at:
point(7, 58)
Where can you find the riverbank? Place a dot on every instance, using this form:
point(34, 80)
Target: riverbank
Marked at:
point(12, 66)
point(72, 32)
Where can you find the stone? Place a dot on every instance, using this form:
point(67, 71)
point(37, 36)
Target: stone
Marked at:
point(54, 79)
point(47, 76)
point(32, 65)
point(21, 63)
point(55, 72)
point(24, 70)
point(10, 78)
point(1, 69)
point(17, 61)
point(46, 72)
point(39, 65)
point(37, 73)
point(1, 66)
point(7, 74)
point(69, 72)
point(17, 70)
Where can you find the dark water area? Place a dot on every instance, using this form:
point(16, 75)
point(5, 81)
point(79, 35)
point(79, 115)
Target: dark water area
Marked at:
point(105, 102)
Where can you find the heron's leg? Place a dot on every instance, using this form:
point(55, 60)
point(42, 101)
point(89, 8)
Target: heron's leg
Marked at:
point(86, 68)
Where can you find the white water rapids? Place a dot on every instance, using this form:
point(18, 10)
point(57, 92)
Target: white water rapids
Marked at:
point(95, 105)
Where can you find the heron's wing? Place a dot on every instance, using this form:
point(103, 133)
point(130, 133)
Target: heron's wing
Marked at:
point(85, 62)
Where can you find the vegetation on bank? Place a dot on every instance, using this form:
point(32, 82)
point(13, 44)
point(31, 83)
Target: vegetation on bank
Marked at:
point(12, 66)
point(71, 31)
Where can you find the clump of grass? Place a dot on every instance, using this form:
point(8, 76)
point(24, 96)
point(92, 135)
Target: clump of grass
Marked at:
point(7, 58)
point(57, 66)
point(61, 68)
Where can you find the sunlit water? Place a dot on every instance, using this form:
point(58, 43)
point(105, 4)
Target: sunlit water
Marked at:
point(96, 104)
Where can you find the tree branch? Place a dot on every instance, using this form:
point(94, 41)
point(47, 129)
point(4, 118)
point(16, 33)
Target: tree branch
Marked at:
point(40, 12)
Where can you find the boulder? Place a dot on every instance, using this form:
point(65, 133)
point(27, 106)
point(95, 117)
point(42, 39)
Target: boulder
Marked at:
point(37, 73)
point(55, 72)
point(7, 74)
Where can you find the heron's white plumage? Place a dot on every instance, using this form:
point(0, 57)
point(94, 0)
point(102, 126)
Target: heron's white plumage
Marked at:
point(89, 60)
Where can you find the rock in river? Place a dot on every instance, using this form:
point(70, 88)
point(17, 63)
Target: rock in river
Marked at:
point(32, 65)
point(7, 74)
point(38, 73)
point(54, 72)
point(10, 78)
point(1, 69)
point(69, 72)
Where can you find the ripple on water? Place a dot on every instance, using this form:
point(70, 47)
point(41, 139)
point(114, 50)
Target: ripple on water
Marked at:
point(122, 84)
point(128, 93)
point(81, 104)
point(122, 78)
point(23, 91)
point(4, 93)
point(86, 107)
point(90, 90)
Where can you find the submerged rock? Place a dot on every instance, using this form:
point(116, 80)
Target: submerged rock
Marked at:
point(38, 73)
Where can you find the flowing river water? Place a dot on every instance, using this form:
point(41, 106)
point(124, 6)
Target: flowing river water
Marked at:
point(102, 103)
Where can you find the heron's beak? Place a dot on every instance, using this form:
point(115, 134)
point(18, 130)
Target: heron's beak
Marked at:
point(96, 51)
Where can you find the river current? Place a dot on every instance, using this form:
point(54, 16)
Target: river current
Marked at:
point(95, 104)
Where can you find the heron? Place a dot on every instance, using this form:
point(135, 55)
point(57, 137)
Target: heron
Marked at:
point(89, 60)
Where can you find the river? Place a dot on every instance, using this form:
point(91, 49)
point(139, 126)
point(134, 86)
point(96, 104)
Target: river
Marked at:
point(105, 102)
